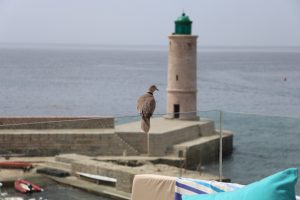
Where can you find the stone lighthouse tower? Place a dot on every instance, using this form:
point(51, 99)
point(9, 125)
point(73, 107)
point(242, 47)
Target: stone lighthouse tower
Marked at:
point(182, 71)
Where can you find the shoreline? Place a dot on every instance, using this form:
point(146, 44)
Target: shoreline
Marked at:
point(125, 174)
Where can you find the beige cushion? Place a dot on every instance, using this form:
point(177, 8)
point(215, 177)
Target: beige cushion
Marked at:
point(153, 187)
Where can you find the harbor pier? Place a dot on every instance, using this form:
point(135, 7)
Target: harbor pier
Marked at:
point(99, 147)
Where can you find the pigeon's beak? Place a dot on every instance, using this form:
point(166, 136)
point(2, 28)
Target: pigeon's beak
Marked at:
point(156, 89)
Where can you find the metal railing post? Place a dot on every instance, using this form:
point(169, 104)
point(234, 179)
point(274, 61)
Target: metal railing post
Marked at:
point(148, 144)
point(221, 147)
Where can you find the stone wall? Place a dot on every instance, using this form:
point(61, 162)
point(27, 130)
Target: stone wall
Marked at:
point(46, 136)
point(47, 144)
point(207, 152)
point(56, 122)
point(137, 140)
point(161, 144)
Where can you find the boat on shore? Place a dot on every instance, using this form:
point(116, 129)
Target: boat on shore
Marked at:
point(24, 186)
point(16, 165)
point(99, 179)
point(53, 172)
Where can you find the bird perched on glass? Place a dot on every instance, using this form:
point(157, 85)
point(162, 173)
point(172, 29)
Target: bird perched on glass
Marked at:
point(146, 106)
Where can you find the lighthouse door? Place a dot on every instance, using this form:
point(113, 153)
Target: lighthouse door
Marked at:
point(176, 110)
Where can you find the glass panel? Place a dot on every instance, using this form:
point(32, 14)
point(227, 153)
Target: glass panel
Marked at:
point(262, 145)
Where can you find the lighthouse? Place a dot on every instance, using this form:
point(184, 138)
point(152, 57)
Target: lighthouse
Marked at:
point(182, 72)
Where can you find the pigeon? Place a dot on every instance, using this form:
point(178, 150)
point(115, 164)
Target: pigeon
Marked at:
point(146, 106)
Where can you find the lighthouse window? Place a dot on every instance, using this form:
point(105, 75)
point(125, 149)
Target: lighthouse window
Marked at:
point(177, 78)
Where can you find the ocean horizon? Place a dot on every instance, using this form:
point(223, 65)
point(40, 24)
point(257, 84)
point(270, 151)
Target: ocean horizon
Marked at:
point(73, 80)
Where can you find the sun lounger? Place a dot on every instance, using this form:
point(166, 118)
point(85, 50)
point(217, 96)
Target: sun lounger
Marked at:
point(153, 187)
point(157, 187)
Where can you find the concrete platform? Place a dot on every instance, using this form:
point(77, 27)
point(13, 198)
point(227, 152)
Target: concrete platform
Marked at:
point(161, 126)
point(101, 190)
point(103, 166)
point(165, 133)
point(125, 174)
point(204, 150)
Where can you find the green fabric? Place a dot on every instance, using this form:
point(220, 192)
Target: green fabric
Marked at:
point(280, 186)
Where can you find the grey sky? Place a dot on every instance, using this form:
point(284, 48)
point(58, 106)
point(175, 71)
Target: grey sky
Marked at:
point(148, 22)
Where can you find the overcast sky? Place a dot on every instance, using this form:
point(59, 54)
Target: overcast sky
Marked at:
point(149, 22)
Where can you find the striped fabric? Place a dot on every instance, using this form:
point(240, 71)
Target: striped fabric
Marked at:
point(186, 186)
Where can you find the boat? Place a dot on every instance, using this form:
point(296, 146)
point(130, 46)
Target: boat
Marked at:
point(24, 186)
point(16, 165)
point(99, 179)
point(53, 172)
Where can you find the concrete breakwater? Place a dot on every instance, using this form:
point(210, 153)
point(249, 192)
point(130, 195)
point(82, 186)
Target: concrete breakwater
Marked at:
point(97, 146)
point(121, 168)
point(195, 141)
point(124, 168)
point(48, 136)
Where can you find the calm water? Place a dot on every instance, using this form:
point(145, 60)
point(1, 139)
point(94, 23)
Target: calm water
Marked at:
point(107, 81)
point(263, 145)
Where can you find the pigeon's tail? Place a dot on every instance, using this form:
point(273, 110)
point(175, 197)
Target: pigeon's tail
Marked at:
point(145, 124)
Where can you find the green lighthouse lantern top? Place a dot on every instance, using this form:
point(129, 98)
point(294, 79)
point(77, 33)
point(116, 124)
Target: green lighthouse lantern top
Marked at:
point(183, 25)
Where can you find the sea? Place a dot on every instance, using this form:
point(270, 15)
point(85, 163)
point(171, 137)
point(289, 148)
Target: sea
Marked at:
point(258, 89)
